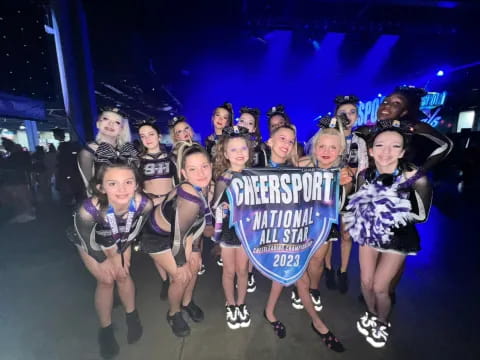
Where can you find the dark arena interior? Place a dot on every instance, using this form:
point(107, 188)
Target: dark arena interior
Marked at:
point(66, 62)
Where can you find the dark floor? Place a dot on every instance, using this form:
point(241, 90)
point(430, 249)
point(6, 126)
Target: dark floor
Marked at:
point(47, 309)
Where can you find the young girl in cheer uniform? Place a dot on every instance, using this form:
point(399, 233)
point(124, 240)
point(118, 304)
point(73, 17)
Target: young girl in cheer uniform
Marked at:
point(104, 227)
point(158, 172)
point(281, 144)
point(221, 118)
point(392, 196)
point(355, 159)
point(249, 118)
point(113, 129)
point(327, 147)
point(233, 154)
point(172, 236)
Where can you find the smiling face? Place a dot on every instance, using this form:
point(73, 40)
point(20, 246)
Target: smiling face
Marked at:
point(182, 132)
point(150, 138)
point(392, 108)
point(350, 111)
point(247, 121)
point(327, 150)
point(220, 119)
point(236, 151)
point(197, 170)
point(109, 124)
point(281, 143)
point(119, 186)
point(387, 149)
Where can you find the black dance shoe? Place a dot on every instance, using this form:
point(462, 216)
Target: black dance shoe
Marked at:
point(179, 326)
point(134, 327)
point(195, 313)
point(108, 344)
point(278, 328)
point(330, 340)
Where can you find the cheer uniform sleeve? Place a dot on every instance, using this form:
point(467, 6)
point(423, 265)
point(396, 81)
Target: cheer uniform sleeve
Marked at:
point(85, 161)
point(220, 188)
point(362, 155)
point(444, 144)
point(84, 237)
point(185, 216)
point(421, 199)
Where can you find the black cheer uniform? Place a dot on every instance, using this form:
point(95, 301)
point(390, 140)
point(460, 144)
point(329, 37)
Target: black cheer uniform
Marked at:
point(91, 231)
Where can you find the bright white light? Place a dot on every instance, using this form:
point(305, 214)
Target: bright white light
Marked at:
point(440, 73)
point(465, 120)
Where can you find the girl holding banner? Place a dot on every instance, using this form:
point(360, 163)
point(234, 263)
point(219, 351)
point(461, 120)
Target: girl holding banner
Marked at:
point(282, 143)
point(234, 153)
point(393, 195)
point(328, 144)
point(172, 237)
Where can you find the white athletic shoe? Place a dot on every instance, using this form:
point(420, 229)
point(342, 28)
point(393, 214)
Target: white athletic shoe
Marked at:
point(378, 335)
point(251, 285)
point(243, 316)
point(232, 317)
point(296, 301)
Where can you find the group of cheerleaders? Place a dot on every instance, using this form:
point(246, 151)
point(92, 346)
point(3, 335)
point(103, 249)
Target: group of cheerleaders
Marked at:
point(167, 203)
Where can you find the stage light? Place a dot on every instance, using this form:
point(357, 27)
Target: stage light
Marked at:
point(440, 73)
point(379, 94)
point(316, 45)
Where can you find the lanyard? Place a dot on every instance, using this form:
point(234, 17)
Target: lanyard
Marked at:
point(121, 237)
point(208, 211)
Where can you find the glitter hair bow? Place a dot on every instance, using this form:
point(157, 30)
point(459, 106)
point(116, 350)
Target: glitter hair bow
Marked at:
point(326, 122)
point(234, 131)
point(107, 154)
point(174, 121)
point(346, 99)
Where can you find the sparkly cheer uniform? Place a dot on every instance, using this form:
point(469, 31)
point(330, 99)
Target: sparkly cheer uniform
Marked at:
point(92, 231)
point(384, 210)
point(182, 215)
point(224, 234)
point(158, 166)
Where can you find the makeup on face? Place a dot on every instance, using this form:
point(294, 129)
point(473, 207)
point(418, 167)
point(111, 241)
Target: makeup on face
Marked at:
point(198, 170)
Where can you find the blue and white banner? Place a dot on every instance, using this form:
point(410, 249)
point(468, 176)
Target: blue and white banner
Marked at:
point(282, 216)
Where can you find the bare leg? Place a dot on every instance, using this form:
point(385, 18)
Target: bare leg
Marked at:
point(328, 256)
point(175, 295)
point(241, 269)
point(315, 267)
point(188, 294)
point(304, 293)
point(103, 291)
point(368, 263)
point(387, 268)
point(273, 297)
point(397, 278)
point(104, 302)
point(228, 274)
point(346, 249)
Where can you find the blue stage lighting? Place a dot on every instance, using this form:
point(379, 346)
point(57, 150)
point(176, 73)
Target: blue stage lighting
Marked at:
point(379, 94)
point(316, 45)
point(440, 73)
